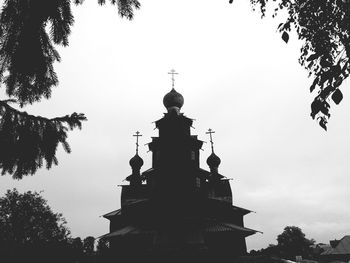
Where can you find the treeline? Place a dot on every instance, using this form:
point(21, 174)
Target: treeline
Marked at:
point(71, 250)
point(31, 232)
point(292, 244)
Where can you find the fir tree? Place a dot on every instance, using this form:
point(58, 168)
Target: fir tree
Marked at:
point(29, 32)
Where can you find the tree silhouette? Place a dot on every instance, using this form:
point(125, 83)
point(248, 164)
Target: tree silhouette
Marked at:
point(103, 253)
point(29, 229)
point(89, 245)
point(29, 32)
point(27, 218)
point(324, 28)
point(26, 140)
point(292, 242)
point(76, 249)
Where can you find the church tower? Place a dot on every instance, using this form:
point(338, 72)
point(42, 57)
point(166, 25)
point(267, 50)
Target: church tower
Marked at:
point(176, 210)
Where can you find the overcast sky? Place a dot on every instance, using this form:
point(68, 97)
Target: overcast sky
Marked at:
point(237, 77)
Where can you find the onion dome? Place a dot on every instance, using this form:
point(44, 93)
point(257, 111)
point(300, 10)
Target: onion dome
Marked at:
point(136, 162)
point(213, 161)
point(173, 100)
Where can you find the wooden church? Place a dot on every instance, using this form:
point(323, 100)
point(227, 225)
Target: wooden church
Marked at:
point(176, 211)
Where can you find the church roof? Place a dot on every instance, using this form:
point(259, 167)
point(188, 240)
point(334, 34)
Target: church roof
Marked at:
point(245, 211)
point(113, 213)
point(127, 230)
point(166, 118)
point(214, 227)
point(343, 247)
point(210, 226)
point(241, 210)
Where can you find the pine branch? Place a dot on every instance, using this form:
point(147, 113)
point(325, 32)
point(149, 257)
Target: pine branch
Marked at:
point(27, 51)
point(27, 140)
point(125, 7)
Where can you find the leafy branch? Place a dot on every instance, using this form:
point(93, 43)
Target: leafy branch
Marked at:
point(324, 28)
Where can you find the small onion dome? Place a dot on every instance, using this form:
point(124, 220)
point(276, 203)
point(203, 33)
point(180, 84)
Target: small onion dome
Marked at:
point(213, 161)
point(173, 100)
point(136, 162)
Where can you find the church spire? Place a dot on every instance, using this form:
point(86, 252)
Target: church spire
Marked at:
point(213, 160)
point(136, 163)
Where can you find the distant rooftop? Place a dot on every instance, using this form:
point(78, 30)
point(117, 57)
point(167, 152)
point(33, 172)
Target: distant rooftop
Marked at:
point(342, 248)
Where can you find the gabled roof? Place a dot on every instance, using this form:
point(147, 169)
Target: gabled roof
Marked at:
point(342, 248)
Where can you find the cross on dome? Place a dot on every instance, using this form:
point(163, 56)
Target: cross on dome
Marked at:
point(137, 135)
point(210, 132)
point(172, 73)
point(173, 101)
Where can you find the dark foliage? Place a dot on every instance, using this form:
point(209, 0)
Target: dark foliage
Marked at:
point(26, 140)
point(102, 245)
point(125, 7)
point(324, 28)
point(292, 242)
point(27, 219)
point(31, 232)
point(27, 50)
point(29, 31)
point(88, 245)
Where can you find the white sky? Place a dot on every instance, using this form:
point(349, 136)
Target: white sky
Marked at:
point(237, 76)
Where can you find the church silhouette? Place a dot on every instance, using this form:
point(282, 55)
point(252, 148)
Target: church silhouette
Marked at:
point(176, 211)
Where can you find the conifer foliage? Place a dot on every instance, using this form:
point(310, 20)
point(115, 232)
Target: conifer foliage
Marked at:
point(29, 32)
point(27, 141)
point(324, 28)
point(27, 51)
point(125, 7)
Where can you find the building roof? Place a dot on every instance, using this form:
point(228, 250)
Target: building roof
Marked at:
point(244, 210)
point(127, 230)
point(210, 226)
point(113, 213)
point(214, 227)
point(342, 248)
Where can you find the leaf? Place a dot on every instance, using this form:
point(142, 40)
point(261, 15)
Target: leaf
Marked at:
point(285, 36)
point(338, 82)
point(312, 57)
point(337, 96)
point(315, 107)
point(325, 109)
point(323, 123)
point(326, 75)
point(312, 87)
